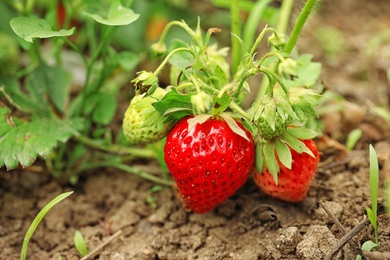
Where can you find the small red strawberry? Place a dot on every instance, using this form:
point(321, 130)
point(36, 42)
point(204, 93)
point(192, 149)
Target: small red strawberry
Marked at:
point(210, 158)
point(293, 184)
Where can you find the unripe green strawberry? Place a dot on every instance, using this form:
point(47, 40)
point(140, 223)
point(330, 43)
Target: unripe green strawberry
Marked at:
point(142, 123)
point(272, 116)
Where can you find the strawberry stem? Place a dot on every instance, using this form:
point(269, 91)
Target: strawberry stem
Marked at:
point(299, 25)
point(116, 149)
point(236, 31)
point(126, 168)
point(183, 25)
point(165, 61)
point(272, 75)
point(260, 38)
point(233, 105)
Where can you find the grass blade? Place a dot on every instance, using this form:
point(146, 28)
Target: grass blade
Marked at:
point(38, 219)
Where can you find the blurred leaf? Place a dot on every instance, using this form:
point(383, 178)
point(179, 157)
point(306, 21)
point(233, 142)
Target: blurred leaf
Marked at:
point(113, 14)
point(128, 60)
point(29, 28)
point(181, 59)
point(374, 187)
point(368, 245)
point(54, 82)
point(23, 142)
point(353, 137)
point(308, 72)
point(10, 88)
point(105, 108)
point(79, 242)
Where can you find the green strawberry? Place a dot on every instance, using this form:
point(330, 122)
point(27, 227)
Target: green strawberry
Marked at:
point(142, 123)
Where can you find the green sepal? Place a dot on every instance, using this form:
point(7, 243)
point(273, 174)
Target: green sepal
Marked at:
point(302, 133)
point(284, 153)
point(270, 160)
point(296, 144)
point(259, 157)
point(234, 126)
point(174, 105)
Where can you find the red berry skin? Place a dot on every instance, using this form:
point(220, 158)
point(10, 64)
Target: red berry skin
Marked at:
point(209, 163)
point(293, 184)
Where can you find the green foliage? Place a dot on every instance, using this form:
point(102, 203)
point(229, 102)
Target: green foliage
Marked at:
point(367, 246)
point(353, 137)
point(80, 244)
point(374, 187)
point(29, 28)
point(38, 219)
point(113, 14)
point(41, 107)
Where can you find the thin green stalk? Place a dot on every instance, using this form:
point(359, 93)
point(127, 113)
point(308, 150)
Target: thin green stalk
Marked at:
point(77, 50)
point(233, 105)
point(117, 149)
point(236, 32)
point(126, 168)
point(106, 37)
point(281, 29)
point(180, 24)
point(253, 21)
point(165, 61)
point(284, 16)
point(299, 25)
point(271, 74)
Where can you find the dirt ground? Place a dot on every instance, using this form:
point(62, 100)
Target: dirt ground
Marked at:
point(249, 225)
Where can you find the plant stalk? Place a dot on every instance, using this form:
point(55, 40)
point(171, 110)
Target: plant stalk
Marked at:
point(236, 32)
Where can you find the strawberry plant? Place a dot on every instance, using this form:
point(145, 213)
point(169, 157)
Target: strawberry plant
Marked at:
point(214, 139)
point(215, 142)
point(65, 94)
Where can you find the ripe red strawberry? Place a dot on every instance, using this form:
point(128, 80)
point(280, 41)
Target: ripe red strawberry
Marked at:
point(209, 161)
point(293, 184)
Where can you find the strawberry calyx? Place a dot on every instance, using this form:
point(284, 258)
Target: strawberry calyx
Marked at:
point(270, 152)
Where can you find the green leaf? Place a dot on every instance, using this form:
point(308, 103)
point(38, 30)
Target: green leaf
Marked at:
point(284, 154)
point(369, 245)
point(127, 60)
point(105, 108)
point(182, 59)
point(38, 219)
point(79, 242)
point(270, 160)
point(308, 72)
point(353, 137)
point(10, 88)
point(51, 81)
point(302, 132)
point(374, 187)
point(22, 143)
point(179, 105)
point(113, 14)
point(29, 28)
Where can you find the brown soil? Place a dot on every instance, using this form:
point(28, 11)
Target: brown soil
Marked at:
point(249, 225)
